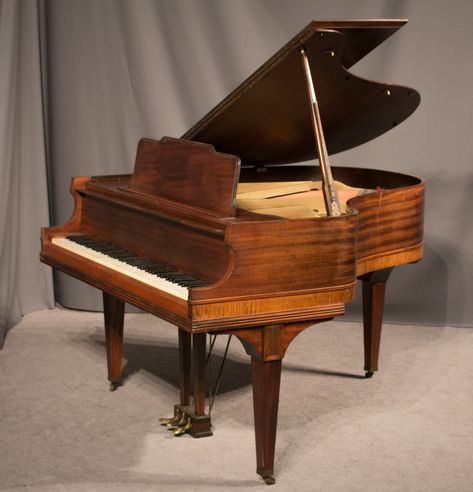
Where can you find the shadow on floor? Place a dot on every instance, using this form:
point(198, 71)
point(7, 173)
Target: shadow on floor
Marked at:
point(321, 372)
point(162, 361)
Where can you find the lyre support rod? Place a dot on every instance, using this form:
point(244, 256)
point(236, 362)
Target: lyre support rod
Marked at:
point(329, 190)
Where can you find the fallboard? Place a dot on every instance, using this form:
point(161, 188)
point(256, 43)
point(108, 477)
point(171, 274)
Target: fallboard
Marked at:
point(197, 252)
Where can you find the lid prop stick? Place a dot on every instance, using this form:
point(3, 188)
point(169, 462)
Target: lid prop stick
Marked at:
point(329, 190)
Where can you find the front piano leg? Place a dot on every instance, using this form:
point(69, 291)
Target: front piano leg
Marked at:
point(374, 286)
point(267, 345)
point(114, 312)
point(266, 377)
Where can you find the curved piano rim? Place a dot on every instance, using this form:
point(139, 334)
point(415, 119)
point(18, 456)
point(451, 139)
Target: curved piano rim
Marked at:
point(390, 219)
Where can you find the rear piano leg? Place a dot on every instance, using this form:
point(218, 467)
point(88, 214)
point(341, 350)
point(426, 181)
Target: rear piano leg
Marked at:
point(113, 311)
point(374, 286)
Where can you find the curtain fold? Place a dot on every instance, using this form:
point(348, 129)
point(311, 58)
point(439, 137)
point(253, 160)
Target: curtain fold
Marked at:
point(25, 284)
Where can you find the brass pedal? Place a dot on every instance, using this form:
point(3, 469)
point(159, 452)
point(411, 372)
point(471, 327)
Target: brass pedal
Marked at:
point(184, 428)
point(185, 421)
point(172, 421)
point(180, 423)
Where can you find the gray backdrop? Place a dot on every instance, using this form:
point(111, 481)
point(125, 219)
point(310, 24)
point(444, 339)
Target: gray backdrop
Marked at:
point(82, 81)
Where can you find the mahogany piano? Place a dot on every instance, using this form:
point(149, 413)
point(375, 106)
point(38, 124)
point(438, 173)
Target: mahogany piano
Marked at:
point(215, 233)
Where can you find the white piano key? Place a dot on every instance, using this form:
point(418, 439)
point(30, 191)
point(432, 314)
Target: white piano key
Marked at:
point(122, 267)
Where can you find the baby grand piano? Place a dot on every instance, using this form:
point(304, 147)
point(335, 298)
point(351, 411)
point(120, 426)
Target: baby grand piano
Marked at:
point(213, 233)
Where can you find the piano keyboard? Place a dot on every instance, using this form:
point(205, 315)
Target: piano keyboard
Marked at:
point(143, 269)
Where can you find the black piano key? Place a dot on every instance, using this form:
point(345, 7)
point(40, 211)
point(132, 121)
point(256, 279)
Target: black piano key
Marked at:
point(157, 270)
point(188, 280)
point(178, 278)
point(78, 239)
point(144, 264)
point(106, 249)
point(109, 252)
point(124, 257)
point(85, 239)
point(191, 283)
point(171, 275)
point(138, 262)
point(195, 283)
point(133, 260)
point(198, 283)
point(91, 243)
point(175, 281)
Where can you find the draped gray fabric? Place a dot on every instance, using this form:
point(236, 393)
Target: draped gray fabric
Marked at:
point(119, 70)
point(25, 284)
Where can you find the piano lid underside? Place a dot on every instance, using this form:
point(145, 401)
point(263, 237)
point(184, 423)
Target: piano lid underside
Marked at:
point(267, 120)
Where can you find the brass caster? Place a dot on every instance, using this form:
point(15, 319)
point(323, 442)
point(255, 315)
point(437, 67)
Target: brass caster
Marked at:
point(114, 385)
point(269, 480)
point(185, 428)
point(172, 421)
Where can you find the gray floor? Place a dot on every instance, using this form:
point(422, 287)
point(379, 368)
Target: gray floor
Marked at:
point(410, 428)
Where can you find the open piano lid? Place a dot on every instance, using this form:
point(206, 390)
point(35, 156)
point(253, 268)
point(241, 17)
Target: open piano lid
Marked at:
point(266, 120)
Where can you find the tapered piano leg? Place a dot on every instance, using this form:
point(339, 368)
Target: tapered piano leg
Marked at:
point(185, 366)
point(198, 369)
point(267, 345)
point(266, 378)
point(374, 286)
point(198, 422)
point(113, 310)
